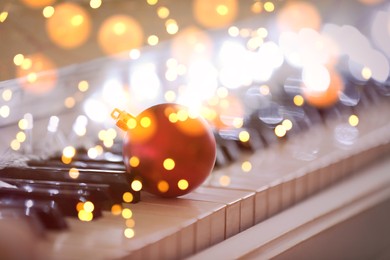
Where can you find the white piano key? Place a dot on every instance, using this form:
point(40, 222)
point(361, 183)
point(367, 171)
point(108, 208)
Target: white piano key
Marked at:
point(210, 216)
point(300, 187)
point(261, 205)
point(274, 198)
point(288, 185)
point(239, 206)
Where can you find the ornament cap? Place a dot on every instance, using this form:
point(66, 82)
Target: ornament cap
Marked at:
point(122, 118)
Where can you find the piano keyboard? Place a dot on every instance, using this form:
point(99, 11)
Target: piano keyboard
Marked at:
point(271, 188)
point(236, 196)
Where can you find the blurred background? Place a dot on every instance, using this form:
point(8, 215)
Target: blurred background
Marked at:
point(221, 58)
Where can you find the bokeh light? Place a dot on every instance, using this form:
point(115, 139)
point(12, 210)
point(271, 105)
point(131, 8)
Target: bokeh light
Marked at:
point(120, 33)
point(319, 94)
point(40, 76)
point(215, 13)
point(295, 15)
point(70, 25)
point(38, 3)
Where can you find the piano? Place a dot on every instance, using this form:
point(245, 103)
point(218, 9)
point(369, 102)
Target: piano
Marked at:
point(309, 181)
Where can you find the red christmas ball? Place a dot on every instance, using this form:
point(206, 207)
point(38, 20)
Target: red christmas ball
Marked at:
point(167, 148)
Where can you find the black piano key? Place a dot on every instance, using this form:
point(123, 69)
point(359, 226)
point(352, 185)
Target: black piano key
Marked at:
point(250, 141)
point(229, 148)
point(118, 181)
point(97, 164)
point(46, 211)
point(265, 131)
point(100, 192)
point(66, 200)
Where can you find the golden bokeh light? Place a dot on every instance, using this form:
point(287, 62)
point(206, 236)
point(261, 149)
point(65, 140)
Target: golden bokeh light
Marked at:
point(296, 15)
point(145, 122)
point(21, 136)
point(37, 74)
point(353, 120)
point(4, 111)
point(257, 7)
point(287, 124)
point(298, 100)
point(85, 216)
point(129, 233)
point(66, 160)
point(269, 7)
point(70, 25)
point(244, 136)
point(116, 209)
point(152, 2)
point(163, 186)
point(79, 206)
point(169, 164)
point(120, 33)
point(38, 3)
point(280, 130)
point(3, 16)
point(48, 11)
point(215, 13)
point(134, 161)
point(246, 166)
point(69, 151)
point(94, 4)
point(366, 73)
point(83, 86)
point(171, 26)
point(7, 94)
point(74, 173)
point(153, 40)
point(15, 145)
point(69, 102)
point(127, 213)
point(136, 185)
point(130, 223)
point(23, 124)
point(18, 59)
point(127, 197)
point(88, 206)
point(224, 180)
point(182, 184)
point(163, 12)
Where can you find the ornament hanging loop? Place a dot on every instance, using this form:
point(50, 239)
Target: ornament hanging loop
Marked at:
point(122, 118)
